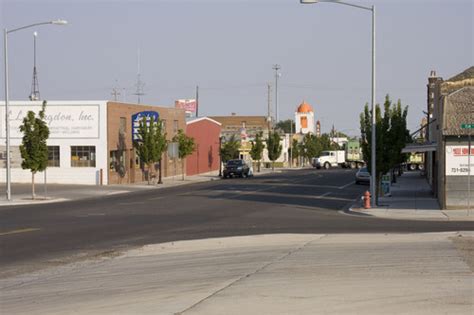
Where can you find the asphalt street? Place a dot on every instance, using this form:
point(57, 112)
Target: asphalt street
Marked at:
point(303, 201)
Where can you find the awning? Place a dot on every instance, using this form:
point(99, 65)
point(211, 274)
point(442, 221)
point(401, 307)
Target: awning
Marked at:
point(420, 148)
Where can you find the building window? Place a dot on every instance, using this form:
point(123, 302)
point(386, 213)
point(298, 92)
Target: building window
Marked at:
point(82, 156)
point(304, 122)
point(175, 126)
point(123, 125)
point(163, 125)
point(53, 156)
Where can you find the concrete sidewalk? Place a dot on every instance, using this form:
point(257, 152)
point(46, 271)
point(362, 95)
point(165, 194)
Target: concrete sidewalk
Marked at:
point(21, 193)
point(411, 198)
point(266, 274)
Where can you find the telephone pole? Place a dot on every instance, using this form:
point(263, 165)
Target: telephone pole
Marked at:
point(269, 105)
point(276, 67)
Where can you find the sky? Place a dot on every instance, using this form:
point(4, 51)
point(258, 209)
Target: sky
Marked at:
point(228, 49)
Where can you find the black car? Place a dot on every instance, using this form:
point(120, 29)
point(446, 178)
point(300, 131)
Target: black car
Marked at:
point(236, 168)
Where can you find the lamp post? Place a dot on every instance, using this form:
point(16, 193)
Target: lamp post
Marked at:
point(7, 110)
point(373, 182)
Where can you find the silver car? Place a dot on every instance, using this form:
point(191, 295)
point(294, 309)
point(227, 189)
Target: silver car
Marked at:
point(362, 176)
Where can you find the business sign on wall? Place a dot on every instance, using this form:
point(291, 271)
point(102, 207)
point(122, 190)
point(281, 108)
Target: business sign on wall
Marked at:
point(138, 117)
point(64, 121)
point(457, 160)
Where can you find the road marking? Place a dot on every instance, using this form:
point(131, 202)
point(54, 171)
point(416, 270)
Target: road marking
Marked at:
point(324, 195)
point(346, 185)
point(19, 231)
point(156, 198)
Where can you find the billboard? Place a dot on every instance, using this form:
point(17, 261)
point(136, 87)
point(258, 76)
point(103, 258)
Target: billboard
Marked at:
point(188, 105)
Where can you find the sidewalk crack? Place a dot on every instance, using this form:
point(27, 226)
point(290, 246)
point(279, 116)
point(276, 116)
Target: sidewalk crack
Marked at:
point(245, 276)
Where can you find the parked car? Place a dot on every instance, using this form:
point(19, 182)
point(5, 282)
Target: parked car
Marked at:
point(236, 168)
point(362, 176)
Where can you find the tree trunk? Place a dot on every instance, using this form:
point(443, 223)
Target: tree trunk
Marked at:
point(149, 174)
point(159, 176)
point(33, 195)
point(258, 166)
point(273, 166)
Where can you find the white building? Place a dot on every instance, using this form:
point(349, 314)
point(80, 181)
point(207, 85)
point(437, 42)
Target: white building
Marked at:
point(304, 119)
point(77, 142)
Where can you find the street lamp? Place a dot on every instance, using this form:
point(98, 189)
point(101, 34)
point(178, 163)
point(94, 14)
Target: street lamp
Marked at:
point(373, 147)
point(7, 113)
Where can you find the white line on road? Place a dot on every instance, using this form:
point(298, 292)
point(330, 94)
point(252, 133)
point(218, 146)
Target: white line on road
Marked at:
point(346, 185)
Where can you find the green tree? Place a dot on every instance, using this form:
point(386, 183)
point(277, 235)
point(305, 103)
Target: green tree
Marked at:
point(391, 136)
point(151, 144)
point(33, 148)
point(274, 147)
point(312, 146)
point(256, 151)
point(186, 146)
point(287, 126)
point(230, 149)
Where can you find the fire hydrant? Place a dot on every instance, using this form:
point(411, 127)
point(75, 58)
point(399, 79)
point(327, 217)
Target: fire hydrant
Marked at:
point(367, 200)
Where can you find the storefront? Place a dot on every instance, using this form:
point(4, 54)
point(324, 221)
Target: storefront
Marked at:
point(84, 140)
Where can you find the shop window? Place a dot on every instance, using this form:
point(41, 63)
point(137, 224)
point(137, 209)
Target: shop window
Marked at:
point(53, 156)
point(83, 156)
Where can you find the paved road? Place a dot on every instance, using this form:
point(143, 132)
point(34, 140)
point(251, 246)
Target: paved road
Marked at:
point(304, 201)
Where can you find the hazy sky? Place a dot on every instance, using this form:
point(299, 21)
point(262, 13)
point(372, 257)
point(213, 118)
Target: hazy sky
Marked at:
point(228, 49)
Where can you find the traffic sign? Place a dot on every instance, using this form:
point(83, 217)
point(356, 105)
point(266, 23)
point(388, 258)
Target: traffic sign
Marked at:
point(467, 126)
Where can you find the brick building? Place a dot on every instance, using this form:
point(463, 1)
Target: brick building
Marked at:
point(206, 133)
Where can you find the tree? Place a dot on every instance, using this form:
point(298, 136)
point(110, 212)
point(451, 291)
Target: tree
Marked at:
point(287, 126)
point(391, 136)
point(312, 146)
point(256, 151)
point(33, 148)
point(186, 146)
point(151, 144)
point(274, 147)
point(230, 149)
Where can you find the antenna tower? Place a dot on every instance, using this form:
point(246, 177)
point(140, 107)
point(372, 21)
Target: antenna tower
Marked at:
point(140, 84)
point(35, 94)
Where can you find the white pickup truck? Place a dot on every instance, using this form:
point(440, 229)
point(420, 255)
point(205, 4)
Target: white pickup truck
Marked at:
point(330, 159)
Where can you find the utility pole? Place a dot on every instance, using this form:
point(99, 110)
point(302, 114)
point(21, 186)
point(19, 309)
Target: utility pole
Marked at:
point(115, 92)
point(35, 94)
point(269, 110)
point(197, 100)
point(276, 67)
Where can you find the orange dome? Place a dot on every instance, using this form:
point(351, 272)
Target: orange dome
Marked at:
point(304, 108)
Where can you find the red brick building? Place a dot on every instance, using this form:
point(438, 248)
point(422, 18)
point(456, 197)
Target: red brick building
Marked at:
point(206, 133)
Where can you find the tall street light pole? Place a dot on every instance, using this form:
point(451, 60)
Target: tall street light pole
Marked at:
point(373, 178)
point(7, 107)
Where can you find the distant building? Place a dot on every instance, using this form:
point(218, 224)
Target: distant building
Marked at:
point(304, 119)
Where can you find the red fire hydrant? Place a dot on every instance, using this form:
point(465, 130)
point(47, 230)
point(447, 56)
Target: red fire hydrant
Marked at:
point(367, 200)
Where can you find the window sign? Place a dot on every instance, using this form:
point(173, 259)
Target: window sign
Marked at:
point(138, 117)
point(457, 160)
